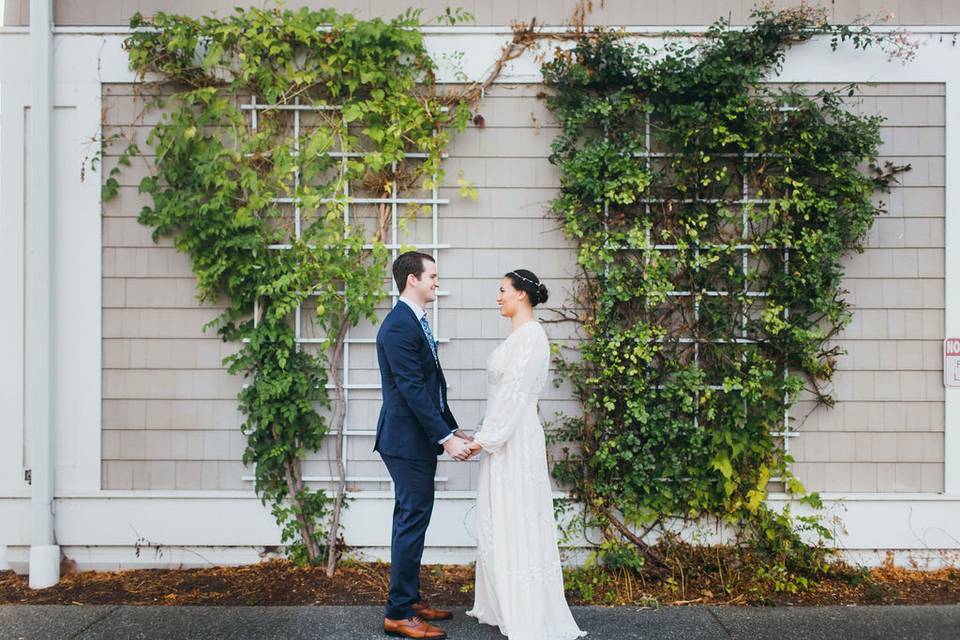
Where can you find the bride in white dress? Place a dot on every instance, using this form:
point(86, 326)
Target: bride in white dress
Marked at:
point(519, 580)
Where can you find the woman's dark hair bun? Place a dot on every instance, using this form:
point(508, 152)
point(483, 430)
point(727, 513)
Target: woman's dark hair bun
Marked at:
point(526, 280)
point(543, 294)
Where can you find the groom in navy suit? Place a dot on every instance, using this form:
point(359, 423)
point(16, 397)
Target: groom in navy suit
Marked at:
point(415, 426)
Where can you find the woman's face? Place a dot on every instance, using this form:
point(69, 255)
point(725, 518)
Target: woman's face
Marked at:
point(510, 298)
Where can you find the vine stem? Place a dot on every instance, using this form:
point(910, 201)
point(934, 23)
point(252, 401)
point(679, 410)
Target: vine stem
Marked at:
point(635, 539)
point(340, 412)
point(339, 416)
point(294, 477)
point(524, 37)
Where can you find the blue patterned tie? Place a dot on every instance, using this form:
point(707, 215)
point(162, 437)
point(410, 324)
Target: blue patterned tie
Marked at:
point(433, 348)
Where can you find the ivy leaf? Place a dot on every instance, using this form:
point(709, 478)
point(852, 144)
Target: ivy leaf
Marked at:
point(374, 133)
point(352, 111)
point(722, 464)
point(755, 498)
point(213, 57)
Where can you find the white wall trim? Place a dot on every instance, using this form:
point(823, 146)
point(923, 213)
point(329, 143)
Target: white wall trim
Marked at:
point(812, 61)
point(76, 276)
point(505, 30)
point(113, 494)
point(951, 278)
point(14, 95)
point(912, 524)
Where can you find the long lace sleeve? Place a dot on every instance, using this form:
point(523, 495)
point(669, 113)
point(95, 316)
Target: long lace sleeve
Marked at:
point(518, 387)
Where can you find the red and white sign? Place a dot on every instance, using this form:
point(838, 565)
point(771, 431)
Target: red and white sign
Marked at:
point(951, 362)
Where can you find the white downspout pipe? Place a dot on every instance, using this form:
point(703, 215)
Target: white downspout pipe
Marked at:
point(38, 378)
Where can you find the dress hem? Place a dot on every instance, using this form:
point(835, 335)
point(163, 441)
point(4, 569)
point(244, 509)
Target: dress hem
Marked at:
point(571, 636)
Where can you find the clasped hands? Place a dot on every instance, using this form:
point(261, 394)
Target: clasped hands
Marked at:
point(461, 446)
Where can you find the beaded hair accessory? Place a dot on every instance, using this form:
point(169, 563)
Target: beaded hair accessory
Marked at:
point(515, 274)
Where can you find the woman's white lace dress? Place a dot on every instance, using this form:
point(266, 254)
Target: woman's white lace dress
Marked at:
point(519, 583)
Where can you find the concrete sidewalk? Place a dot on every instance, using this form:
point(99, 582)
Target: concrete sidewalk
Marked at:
point(687, 623)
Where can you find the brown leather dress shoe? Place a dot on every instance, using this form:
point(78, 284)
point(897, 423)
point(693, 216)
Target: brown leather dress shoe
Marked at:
point(414, 627)
point(425, 611)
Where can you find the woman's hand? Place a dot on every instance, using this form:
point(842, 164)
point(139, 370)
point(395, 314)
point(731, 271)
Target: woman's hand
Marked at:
point(474, 448)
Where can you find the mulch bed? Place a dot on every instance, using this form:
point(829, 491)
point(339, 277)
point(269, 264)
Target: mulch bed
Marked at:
point(276, 582)
point(887, 584)
point(279, 582)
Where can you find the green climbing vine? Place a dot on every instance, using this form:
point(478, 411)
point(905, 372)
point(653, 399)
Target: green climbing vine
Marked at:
point(711, 213)
point(229, 193)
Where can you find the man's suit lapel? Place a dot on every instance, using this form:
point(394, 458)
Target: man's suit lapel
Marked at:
point(412, 317)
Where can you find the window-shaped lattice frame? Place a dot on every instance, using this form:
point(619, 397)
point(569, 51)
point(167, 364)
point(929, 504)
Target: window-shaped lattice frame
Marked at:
point(744, 248)
point(394, 246)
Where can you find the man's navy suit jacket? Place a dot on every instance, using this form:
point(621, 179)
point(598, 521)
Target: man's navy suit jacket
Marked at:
point(410, 423)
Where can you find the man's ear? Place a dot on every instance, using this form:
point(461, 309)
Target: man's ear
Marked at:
point(413, 282)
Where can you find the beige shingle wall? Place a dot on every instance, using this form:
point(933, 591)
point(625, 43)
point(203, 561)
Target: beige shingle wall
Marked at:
point(886, 432)
point(503, 12)
point(169, 410)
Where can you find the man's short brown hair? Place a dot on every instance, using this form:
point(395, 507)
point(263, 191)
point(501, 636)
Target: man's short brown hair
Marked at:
point(408, 263)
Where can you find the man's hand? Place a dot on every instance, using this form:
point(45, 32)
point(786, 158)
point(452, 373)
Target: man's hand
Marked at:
point(457, 448)
point(460, 434)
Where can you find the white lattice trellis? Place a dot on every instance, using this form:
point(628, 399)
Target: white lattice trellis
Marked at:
point(744, 248)
point(394, 246)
